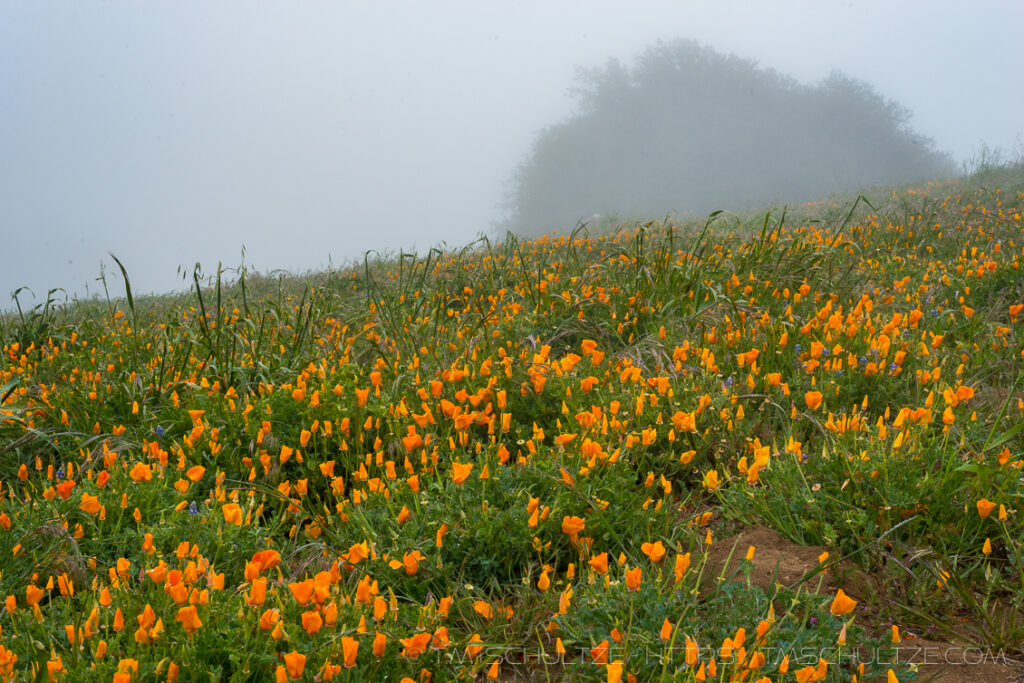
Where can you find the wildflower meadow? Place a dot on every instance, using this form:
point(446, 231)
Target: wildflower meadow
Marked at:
point(534, 460)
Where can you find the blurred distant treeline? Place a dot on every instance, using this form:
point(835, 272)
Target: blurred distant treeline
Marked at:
point(689, 129)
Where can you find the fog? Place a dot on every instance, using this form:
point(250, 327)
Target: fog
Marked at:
point(687, 129)
point(175, 133)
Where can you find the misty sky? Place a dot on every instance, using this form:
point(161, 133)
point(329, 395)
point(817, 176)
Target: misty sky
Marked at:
point(176, 132)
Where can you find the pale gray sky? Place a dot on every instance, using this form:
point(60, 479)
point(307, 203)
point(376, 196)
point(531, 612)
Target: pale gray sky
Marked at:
point(176, 132)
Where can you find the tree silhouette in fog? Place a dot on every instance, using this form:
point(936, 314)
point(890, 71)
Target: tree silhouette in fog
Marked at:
point(690, 129)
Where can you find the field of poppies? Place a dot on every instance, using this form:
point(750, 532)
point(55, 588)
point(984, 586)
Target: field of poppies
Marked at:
point(516, 460)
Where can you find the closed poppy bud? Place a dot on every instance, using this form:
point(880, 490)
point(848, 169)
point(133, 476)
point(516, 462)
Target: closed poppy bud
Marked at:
point(666, 629)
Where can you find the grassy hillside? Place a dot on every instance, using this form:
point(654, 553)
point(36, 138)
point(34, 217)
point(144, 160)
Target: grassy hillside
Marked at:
point(529, 458)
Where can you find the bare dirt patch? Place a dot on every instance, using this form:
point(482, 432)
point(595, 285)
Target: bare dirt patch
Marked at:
point(782, 560)
point(776, 558)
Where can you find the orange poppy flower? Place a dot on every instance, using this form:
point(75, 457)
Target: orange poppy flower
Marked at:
point(140, 472)
point(985, 507)
point(357, 552)
point(64, 488)
point(90, 504)
point(302, 591)
point(295, 663)
point(483, 608)
point(655, 551)
point(415, 645)
point(475, 647)
point(842, 604)
point(460, 472)
point(349, 649)
point(312, 621)
point(189, 618)
point(572, 526)
point(258, 592)
point(813, 399)
point(411, 562)
point(269, 619)
point(232, 514)
point(266, 559)
point(682, 564)
point(33, 594)
point(380, 643)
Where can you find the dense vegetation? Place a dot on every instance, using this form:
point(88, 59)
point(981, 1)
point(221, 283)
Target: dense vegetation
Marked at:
point(518, 458)
point(689, 129)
